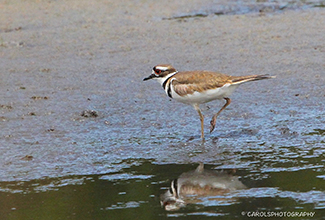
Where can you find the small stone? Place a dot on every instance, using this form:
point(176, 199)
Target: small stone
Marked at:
point(89, 114)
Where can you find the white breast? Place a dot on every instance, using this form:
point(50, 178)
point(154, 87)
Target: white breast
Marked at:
point(206, 96)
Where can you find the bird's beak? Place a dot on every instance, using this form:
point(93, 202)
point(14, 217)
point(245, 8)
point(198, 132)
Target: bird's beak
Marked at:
point(150, 77)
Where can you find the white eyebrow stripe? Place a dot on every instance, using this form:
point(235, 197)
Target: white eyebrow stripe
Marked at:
point(163, 68)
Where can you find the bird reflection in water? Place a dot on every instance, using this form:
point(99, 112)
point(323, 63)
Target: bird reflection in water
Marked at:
point(189, 186)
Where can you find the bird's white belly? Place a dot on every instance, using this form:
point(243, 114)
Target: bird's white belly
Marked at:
point(206, 96)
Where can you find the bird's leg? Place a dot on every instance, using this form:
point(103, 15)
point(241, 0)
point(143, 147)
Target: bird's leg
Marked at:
point(197, 108)
point(214, 118)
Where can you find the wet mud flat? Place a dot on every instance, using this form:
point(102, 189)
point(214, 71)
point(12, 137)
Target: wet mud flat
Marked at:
point(76, 116)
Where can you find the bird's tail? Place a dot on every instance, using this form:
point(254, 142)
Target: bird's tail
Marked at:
point(242, 79)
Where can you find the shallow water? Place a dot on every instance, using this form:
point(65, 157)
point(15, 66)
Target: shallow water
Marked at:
point(134, 191)
point(280, 178)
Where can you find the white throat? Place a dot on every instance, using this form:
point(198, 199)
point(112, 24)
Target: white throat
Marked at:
point(161, 80)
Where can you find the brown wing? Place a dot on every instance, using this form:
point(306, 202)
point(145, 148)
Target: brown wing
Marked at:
point(197, 81)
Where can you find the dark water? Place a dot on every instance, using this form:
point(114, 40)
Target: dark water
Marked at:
point(134, 191)
point(290, 182)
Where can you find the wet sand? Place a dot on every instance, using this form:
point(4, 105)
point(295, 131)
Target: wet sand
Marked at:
point(60, 58)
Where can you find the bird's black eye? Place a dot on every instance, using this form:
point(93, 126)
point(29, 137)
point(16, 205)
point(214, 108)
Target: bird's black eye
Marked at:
point(157, 71)
point(161, 70)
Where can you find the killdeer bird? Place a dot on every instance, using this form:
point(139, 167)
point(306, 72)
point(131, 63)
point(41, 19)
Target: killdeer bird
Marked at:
point(198, 87)
point(199, 183)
